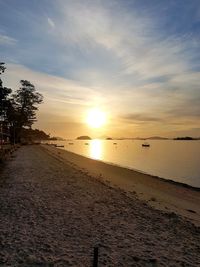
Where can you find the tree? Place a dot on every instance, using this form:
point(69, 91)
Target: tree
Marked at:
point(4, 107)
point(23, 107)
point(4, 94)
point(2, 68)
point(17, 110)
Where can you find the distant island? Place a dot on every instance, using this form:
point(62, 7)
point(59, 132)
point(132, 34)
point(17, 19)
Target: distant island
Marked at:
point(185, 138)
point(84, 137)
point(57, 138)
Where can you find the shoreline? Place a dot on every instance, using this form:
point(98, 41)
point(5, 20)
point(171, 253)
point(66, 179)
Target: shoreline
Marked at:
point(140, 171)
point(174, 180)
point(160, 193)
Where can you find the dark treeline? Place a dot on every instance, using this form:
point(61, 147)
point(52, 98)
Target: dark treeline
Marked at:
point(17, 109)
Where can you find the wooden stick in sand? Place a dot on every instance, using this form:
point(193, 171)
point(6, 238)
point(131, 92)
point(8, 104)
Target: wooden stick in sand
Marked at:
point(95, 259)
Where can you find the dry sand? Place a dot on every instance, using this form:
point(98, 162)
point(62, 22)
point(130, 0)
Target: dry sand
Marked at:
point(52, 213)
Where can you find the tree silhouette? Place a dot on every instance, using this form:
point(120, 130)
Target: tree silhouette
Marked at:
point(4, 103)
point(24, 106)
point(2, 68)
point(19, 109)
point(26, 100)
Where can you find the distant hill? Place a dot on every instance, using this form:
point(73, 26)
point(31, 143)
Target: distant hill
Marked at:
point(29, 135)
point(57, 138)
point(157, 138)
point(149, 138)
point(33, 135)
point(83, 137)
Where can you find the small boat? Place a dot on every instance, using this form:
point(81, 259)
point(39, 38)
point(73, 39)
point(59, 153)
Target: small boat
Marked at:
point(146, 144)
point(114, 143)
point(60, 146)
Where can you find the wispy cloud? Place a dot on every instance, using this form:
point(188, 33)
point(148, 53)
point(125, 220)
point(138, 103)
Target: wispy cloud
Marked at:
point(7, 40)
point(141, 118)
point(143, 51)
point(51, 22)
point(56, 89)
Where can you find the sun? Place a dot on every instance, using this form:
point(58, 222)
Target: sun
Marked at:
point(96, 118)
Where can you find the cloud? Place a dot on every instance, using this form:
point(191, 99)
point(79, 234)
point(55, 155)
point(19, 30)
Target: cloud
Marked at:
point(51, 22)
point(59, 93)
point(143, 51)
point(6, 40)
point(141, 118)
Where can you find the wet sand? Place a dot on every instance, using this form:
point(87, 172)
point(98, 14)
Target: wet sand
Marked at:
point(53, 213)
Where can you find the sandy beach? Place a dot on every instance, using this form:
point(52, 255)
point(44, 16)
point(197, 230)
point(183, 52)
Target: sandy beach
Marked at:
point(56, 206)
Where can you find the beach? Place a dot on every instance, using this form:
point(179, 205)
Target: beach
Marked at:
point(57, 206)
point(159, 193)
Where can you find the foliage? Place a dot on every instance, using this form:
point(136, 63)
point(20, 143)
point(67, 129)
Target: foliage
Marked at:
point(26, 100)
point(2, 68)
point(18, 110)
point(4, 97)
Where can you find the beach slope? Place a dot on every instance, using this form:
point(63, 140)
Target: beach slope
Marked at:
point(53, 214)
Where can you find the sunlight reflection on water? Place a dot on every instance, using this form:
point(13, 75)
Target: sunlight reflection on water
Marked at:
point(96, 149)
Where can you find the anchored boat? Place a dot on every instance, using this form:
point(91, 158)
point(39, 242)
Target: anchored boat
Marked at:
point(146, 144)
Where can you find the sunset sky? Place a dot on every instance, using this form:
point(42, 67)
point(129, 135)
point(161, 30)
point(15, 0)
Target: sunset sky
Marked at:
point(136, 60)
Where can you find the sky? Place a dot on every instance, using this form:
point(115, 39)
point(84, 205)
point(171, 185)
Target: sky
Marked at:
point(137, 60)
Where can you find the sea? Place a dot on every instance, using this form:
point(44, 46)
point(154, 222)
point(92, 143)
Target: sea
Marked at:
point(176, 160)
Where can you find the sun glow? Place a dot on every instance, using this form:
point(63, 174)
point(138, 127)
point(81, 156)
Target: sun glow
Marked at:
point(96, 118)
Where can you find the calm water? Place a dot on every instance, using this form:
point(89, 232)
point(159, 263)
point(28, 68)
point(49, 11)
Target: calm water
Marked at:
point(176, 160)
